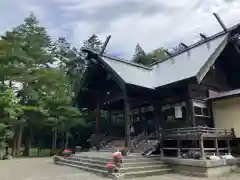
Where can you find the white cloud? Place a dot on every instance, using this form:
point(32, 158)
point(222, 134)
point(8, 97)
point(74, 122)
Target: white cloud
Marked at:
point(166, 23)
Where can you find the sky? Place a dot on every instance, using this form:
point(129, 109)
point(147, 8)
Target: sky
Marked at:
point(151, 23)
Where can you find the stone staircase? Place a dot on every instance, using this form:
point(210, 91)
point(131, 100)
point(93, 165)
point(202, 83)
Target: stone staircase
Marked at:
point(133, 166)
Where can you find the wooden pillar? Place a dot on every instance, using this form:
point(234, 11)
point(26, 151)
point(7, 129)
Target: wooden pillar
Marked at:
point(127, 123)
point(216, 146)
point(109, 122)
point(190, 113)
point(229, 146)
point(156, 116)
point(97, 126)
point(201, 145)
point(178, 147)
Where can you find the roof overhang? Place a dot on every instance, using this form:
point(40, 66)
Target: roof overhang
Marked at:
point(211, 60)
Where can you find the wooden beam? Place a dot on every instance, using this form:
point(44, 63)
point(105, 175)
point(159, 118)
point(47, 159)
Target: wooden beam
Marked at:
point(184, 45)
point(203, 36)
point(220, 22)
point(105, 45)
point(168, 53)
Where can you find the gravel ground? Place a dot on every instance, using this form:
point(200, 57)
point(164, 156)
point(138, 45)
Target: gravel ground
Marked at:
point(44, 169)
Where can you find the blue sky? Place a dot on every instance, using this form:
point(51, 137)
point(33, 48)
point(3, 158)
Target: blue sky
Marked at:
point(152, 23)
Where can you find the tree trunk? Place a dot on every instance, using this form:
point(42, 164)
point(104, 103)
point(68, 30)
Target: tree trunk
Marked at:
point(66, 140)
point(28, 142)
point(54, 140)
point(19, 139)
point(14, 142)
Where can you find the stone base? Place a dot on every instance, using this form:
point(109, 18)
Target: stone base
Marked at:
point(201, 168)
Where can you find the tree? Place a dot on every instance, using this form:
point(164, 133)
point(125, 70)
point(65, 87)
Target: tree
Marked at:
point(157, 54)
point(37, 79)
point(93, 43)
point(141, 57)
point(30, 43)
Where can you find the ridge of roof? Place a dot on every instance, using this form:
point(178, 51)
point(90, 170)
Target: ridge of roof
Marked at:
point(119, 59)
point(214, 36)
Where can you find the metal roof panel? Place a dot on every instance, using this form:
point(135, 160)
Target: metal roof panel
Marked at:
point(184, 65)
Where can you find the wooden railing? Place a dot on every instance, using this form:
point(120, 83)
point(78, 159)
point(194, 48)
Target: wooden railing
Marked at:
point(197, 130)
point(138, 139)
point(146, 138)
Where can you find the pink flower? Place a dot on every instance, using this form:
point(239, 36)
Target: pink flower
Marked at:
point(109, 165)
point(117, 155)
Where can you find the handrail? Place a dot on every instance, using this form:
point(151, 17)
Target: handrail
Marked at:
point(105, 141)
point(136, 140)
point(151, 135)
point(197, 130)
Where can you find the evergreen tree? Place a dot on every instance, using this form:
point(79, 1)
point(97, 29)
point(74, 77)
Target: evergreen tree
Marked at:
point(93, 43)
point(140, 56)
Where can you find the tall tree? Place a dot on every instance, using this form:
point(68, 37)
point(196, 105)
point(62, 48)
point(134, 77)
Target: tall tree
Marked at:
point(93, 43)
point(140, 56)
point(32, 39)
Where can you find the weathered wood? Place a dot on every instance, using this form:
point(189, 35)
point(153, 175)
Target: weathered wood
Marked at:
point(201, 147)
point(178, 147)
point(195, 149)
point(229, 146)
point(216, 146)
point(161, 137)
point(109, 121)
point(97, 126)
point(127, 123)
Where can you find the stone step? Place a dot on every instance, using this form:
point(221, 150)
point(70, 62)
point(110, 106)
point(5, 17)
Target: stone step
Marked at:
point(127, 162)
point(144, 163)
point(90, 158)
point(85, 164)
point(154, 172)
point(89, 161)
point(139, 168)
point(86, 168)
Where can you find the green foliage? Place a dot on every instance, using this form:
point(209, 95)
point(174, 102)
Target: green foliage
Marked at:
point(33, 92)
point(93, 43)
point(143, 58)
point(157, 54)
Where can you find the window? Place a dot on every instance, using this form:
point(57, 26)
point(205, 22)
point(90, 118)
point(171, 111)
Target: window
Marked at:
point(201, 109)
point(174, 112)
point(197, 110)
